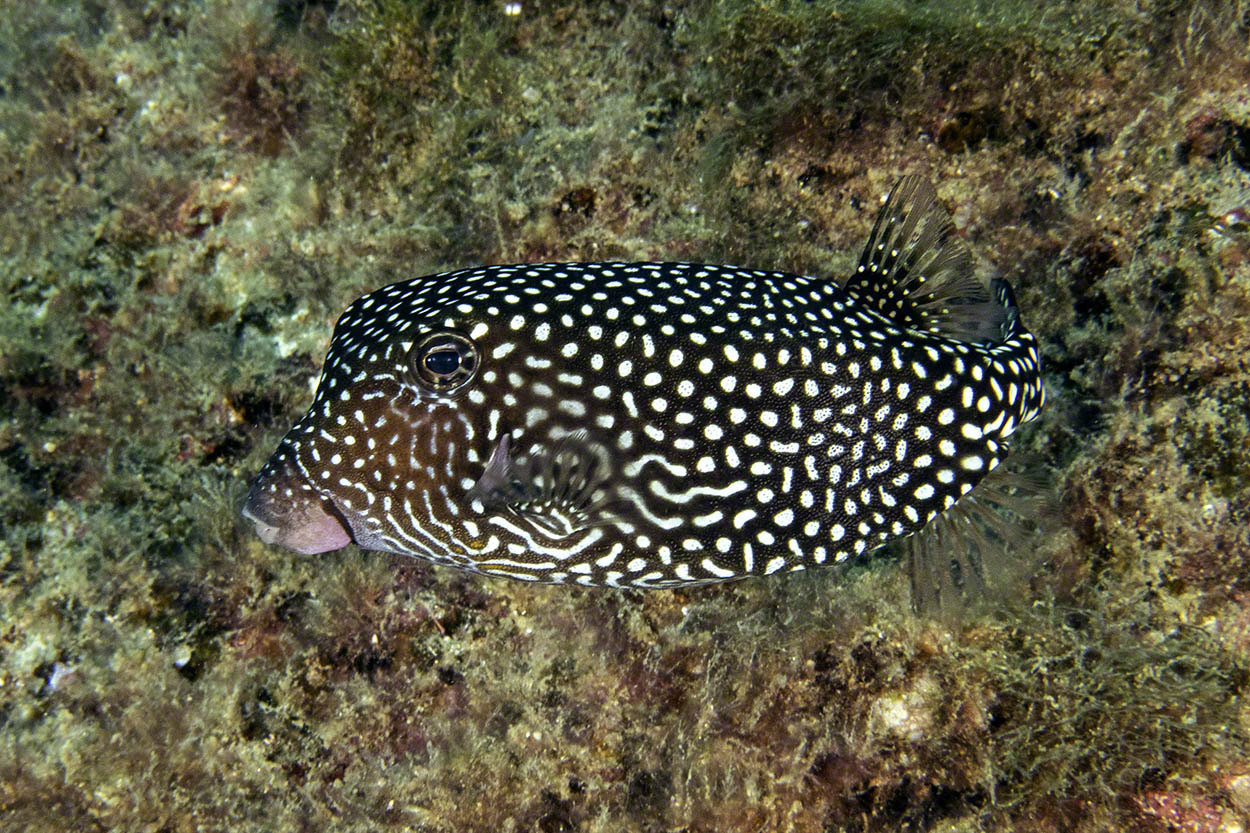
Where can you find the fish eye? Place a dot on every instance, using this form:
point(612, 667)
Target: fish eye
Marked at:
point(443, 362)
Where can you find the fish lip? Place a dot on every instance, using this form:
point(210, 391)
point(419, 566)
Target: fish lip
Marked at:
point(265, 531)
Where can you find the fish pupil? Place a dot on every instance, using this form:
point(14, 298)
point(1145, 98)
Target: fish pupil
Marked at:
point(443, 362)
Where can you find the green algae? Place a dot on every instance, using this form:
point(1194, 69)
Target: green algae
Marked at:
point(1087, 712)
point(196, 190)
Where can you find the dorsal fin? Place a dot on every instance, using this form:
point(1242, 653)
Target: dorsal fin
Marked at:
point(917, 273)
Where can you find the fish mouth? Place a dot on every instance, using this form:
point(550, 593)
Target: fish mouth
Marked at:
point(308, 531)
point(285, 511)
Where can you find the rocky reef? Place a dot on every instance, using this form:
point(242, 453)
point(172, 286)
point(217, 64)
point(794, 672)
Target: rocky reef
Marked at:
point(194, 190)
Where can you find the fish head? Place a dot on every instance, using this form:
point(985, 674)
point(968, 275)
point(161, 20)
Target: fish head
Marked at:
point(426, 386)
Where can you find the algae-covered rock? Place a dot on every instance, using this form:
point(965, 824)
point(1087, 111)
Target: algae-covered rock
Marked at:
point(194, 191)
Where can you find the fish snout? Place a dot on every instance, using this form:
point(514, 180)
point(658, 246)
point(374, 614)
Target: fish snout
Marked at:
point(285, 510)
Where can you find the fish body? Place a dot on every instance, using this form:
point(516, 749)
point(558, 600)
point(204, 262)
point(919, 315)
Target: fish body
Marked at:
point(658, 424)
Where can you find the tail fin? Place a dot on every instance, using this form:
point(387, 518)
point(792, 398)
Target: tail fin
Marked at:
point(1025, 374)
point(917, 273)
point(1005, 298)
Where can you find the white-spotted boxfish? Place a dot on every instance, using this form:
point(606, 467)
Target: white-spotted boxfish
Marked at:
point(658, 424)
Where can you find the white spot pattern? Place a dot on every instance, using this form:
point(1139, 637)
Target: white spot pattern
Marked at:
point(731, 422)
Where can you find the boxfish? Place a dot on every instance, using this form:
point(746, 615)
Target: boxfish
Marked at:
point(655, 425)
